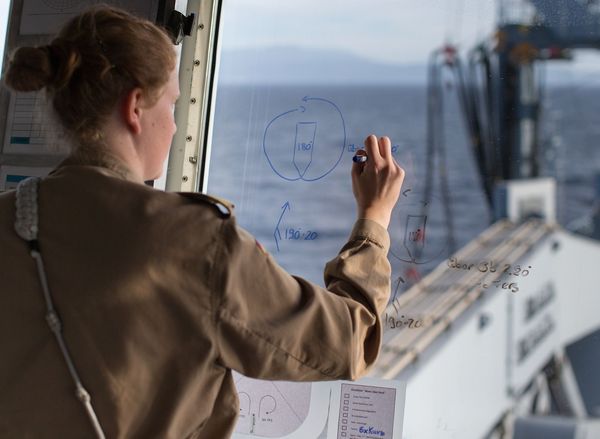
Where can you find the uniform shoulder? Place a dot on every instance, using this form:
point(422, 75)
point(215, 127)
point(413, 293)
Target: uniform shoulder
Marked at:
point(7, 195)
point(7, 205)
point(222, 207)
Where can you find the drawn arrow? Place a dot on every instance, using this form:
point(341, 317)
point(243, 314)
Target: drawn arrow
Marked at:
point(277, 233)
point(406, 192)
point(400, 280)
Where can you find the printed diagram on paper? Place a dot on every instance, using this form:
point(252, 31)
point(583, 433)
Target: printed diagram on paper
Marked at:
point(30, 129)
point(271, 409)
point(45, 17)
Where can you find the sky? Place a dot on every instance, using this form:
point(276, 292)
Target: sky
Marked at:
point(390, 31)
point(398, 32)
point(408, 27)
point(387, 31)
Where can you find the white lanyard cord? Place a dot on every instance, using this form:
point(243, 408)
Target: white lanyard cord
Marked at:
point(26, 226)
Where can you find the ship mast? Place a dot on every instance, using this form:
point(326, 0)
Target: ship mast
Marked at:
point(530, 32)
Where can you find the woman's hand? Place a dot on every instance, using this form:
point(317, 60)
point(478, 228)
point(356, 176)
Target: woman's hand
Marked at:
point(376, 183)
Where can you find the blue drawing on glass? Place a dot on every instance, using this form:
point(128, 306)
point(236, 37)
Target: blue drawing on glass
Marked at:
point(316, 132)
point(277, 233)
point(411, 241)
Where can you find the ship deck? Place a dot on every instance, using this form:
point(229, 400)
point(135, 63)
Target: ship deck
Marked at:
point(441, 297)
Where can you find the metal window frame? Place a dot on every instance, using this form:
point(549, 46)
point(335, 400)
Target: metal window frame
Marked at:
point(188, 160)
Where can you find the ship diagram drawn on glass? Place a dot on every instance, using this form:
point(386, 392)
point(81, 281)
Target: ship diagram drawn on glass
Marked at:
point(409, 226)
point(414, 235)
point(307, 142)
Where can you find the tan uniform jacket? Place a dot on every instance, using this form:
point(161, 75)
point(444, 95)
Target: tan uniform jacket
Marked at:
point(161, 296)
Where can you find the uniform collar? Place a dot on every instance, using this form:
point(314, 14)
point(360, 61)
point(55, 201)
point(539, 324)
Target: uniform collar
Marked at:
point(100, 158)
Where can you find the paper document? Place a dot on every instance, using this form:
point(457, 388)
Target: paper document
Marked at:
point(363, 409)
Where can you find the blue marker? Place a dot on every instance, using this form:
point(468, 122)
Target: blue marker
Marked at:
point(360, 158)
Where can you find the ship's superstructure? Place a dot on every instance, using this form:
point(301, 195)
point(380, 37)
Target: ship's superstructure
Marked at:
point(505, 312)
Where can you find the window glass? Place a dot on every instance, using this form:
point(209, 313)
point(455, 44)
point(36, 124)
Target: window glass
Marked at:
point(3, 25)
point(487, 124)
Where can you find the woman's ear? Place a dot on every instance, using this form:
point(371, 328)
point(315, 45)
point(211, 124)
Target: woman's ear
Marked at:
point(131, 110)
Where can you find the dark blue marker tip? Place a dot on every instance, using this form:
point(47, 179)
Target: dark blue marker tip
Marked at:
point(359, 158)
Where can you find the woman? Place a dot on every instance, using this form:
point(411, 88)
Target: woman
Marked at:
point(159, 295)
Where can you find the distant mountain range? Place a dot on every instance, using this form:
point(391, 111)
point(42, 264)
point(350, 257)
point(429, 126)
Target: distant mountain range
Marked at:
point(293, 65)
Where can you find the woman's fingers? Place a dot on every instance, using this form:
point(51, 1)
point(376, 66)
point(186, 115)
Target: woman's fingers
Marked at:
point(373, 151)
point(379, 150)
point(385, 147)
point(376, 183)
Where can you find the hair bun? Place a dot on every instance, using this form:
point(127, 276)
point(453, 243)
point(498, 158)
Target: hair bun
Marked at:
point(65, 60)
point(29, 69)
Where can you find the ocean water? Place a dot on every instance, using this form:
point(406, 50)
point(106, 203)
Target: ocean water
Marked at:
point(282, 155)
